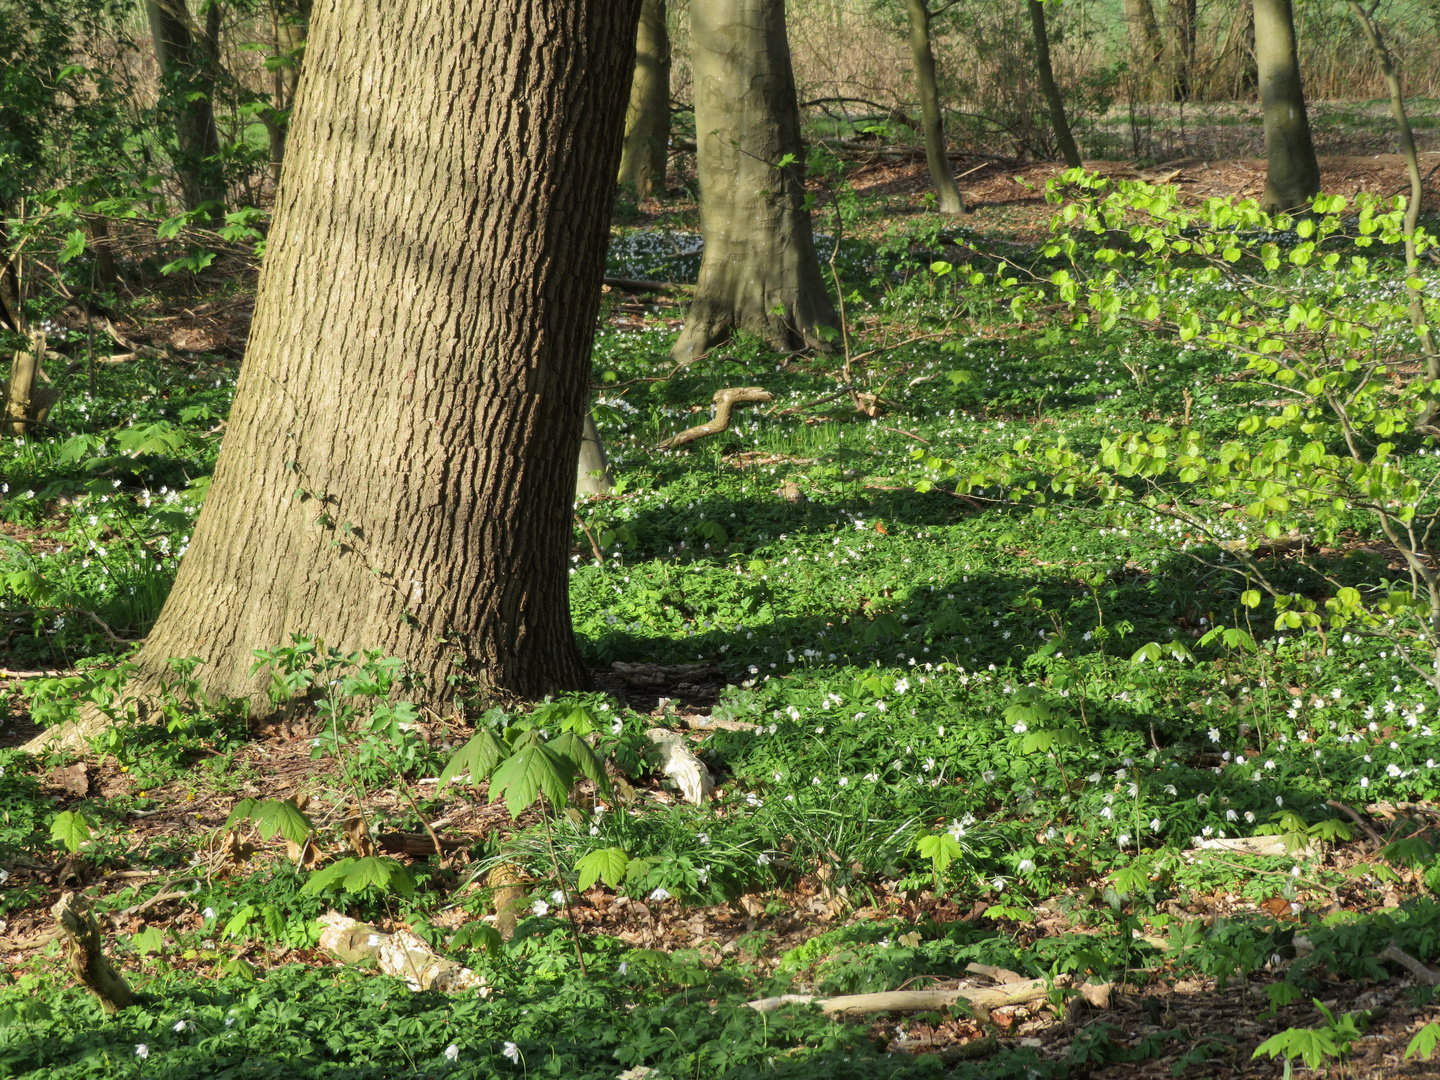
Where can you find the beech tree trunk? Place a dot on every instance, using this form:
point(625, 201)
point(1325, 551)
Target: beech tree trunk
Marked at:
point(1292, 175)
point(1063, 139)
point(400, 460)
point(947, 193)
point(646, 150)
point(187, 70)
point(759, 271)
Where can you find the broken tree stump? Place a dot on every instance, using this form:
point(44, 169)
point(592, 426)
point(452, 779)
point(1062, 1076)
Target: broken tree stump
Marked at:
point(87, 954)
point(23, 405)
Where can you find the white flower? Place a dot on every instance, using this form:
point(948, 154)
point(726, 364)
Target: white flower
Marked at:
point(1214, 734)
point(1094, 778)
point(181, 1025)
point(1270, 764)
point(704, 839)
point(208, 913)
point(1393, 769)
point(872, 777)
point(540, 907)
point(142, 1051)
point(1025, 866)
point(1364, 781)
point(512, 1052)
point(660, 894)
point(1123, 839)
point(1019, 729)
point(844, 781)
point(901, 686)
point(1155, 824)
point(998, 884)
point(557, 898)
point(762, 860)
point(623, 968)
point(1231, 815)
point(452, 1052)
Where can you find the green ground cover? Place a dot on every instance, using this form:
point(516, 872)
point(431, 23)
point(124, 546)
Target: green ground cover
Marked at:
point(936, 702)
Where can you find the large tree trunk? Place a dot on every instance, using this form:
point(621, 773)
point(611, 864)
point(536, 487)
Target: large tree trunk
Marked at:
point(647, 122)
point(400, 461)
point(1143, 31)
point(188, 69)
point(947, 193)
point(1063, 139)
point(290, 22)
point(759, 271)
point(1292, 174)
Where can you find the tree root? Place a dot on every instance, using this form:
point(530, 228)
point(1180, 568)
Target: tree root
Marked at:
point(725, 402)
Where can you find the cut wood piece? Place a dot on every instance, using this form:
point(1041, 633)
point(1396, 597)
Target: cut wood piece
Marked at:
point(400, 954)
point(725, 402)
point(418, 845)
point(995, 974)
point(677, 761)
point(1249, 845)
point(87, 956)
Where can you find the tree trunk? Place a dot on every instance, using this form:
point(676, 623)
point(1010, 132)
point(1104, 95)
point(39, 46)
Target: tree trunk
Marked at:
point(759, 271)
point(1238, 52)
point(1147, 47)
point(399, 465)
point(1292, 174)
point(1184, 31)
point(187, 72)
point(12, 313)
point(289, 20)
point(1063, 139)
point(646, 150)
point(1415, 295)
point(947, 193)
point(592, 472)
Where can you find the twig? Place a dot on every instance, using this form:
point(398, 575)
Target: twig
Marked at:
point(636, 285)
point(1338, 805)
point(907, 434)
point(595, 547)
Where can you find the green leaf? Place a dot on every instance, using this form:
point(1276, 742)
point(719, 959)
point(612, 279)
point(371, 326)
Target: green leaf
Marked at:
point(74, 245)
point(71, 829)
point(577, 750)
point(1311, 1045)
point(149, 940)
point(533, 768)
point(940, 848)
point(1423, 1044)
point(272, 816)
point(480, 936)
point(478, 758)
point(237, 922)
point(606, 864)
point(381, 871)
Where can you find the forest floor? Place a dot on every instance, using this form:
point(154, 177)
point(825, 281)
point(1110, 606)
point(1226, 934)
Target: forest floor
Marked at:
point(844, 651)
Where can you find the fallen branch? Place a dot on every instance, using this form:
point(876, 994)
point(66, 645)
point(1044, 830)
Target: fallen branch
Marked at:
point(725, 402)
point(636, 285)
point(982, 999)
point(1420, 970)
point(1355, 817)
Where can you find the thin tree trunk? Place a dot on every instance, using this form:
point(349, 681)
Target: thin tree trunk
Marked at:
point(399, 464)
point(646, 150)
point(12, 312)
point(759, 271)
point(1417, 191)
point(1292, 175)
point(188, 70)
point(1239, 50)
point(289, 21)
point(1063, 139)
point(947, 193)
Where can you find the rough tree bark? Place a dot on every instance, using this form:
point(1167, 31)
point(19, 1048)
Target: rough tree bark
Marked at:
point(1063, 139)
point(188, 69)
point(1292, 175)
point(759, 249)
point(645, 152)
point(947, 193)
point(400, 460)
point(1143, 31)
